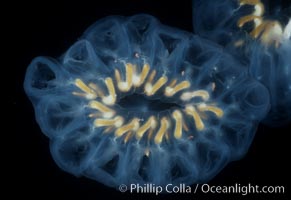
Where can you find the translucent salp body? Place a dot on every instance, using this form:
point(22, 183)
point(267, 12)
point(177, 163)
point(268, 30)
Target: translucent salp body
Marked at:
point(134, 101)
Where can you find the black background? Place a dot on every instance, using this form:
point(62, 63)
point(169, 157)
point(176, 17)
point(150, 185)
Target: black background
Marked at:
point(49, 28)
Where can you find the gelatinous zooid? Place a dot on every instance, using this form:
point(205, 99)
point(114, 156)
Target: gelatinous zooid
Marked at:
point(134, 101)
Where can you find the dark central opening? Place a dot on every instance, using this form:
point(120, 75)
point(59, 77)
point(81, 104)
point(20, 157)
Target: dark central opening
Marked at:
point(140, 103)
